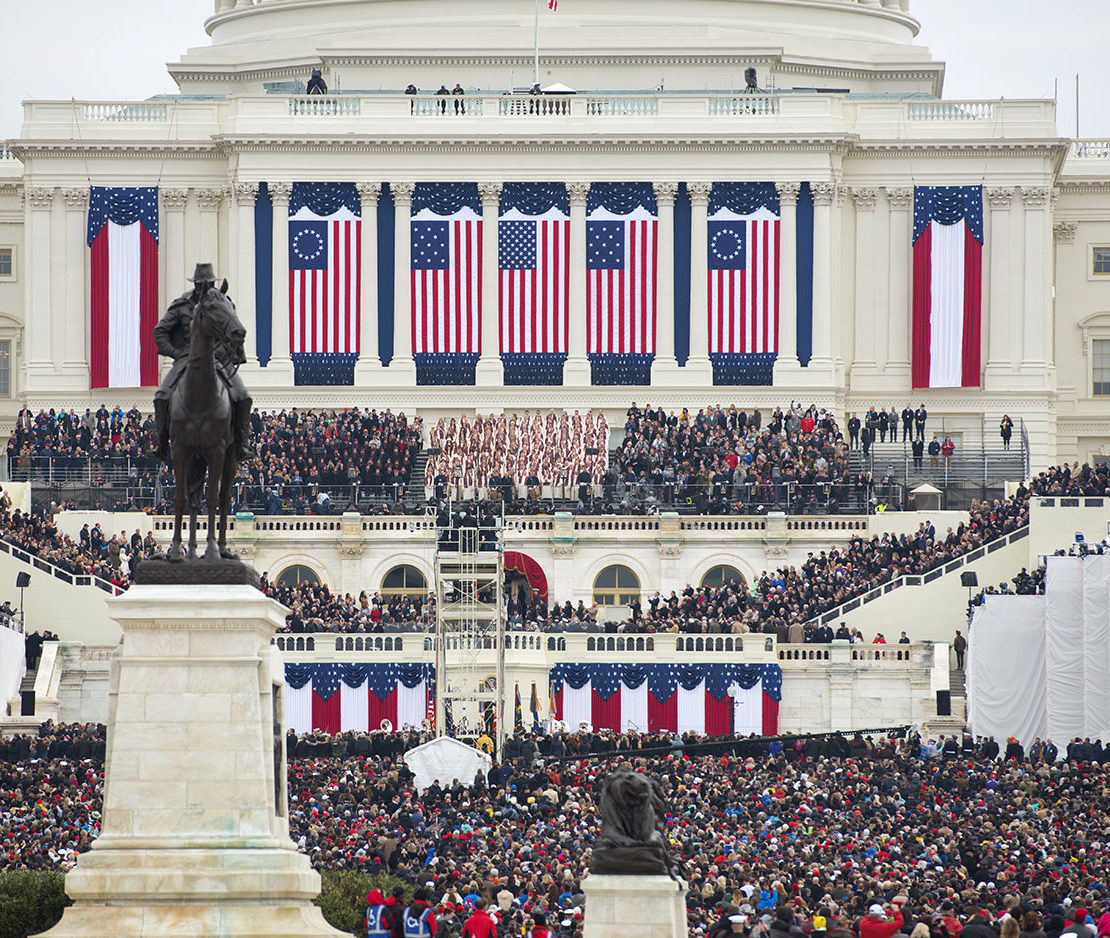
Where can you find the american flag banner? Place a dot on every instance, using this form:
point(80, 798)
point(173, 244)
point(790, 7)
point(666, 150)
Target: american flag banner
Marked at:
point(622, 263)
point(533, 237)
point(122, 236)
point(335, 698)
point(947, 286)
point(743, 247)
point(325, 269)
point(446, 242)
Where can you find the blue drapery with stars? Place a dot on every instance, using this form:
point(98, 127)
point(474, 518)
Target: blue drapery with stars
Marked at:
point(948, 205)
point(744, 198)
point(383, 678)
point(664, 679)
point(124, 206)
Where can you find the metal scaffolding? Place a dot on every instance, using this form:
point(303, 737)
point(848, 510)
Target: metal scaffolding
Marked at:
point(470, 626)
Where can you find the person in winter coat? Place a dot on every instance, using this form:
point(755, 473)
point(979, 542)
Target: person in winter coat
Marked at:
point(876, 924)
point(420, 920)
point(978, 927)
point(1031, 926)
point(784, 925)
point(377, 921)
point(479, 925)
point(948, 920)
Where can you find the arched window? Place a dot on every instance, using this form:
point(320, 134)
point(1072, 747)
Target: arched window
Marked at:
point(616, 586)
point(297, 575)
point(722, 574)
point(404, 580)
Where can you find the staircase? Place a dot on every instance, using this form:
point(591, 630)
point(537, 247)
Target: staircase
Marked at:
point(983, 466)
point(956, 683)
point(414, 488)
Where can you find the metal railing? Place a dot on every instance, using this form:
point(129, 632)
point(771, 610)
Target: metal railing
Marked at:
point(73, 579)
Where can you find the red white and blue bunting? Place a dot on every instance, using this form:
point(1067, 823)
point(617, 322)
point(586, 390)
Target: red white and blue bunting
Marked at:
point(335, 698)
point(714, 699)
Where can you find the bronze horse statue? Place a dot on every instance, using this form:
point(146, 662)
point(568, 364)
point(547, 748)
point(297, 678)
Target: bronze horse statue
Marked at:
point(202, 436)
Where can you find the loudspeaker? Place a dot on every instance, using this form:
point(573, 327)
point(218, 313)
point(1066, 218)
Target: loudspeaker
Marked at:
point(968, 578)
point(27, 703)
point(944, 702)
point(22, 580)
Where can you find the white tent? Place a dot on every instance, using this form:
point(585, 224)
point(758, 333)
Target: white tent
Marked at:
point(445, 759)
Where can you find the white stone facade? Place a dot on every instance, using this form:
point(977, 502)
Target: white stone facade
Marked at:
point(1047, 199)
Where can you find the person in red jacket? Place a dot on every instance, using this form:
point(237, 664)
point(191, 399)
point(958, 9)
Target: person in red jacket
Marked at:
point(876, 924)
point(479, 925)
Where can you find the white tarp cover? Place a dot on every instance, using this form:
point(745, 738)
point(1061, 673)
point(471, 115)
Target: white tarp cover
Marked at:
point(12, 660)
point(1065, 681)
point(444, 759)
point(1006, 668)
point(1096, 646)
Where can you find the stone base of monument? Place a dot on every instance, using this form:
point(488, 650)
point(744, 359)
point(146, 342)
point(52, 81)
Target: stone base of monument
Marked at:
point(195, 837)
point(644, 906)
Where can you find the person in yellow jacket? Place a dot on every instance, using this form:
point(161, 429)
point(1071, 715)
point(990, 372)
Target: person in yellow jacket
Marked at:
point(484, 744)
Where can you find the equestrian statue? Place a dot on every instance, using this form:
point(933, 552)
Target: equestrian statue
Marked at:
point(202, 408)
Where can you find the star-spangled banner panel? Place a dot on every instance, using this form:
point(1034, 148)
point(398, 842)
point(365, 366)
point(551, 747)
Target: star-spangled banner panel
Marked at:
point(124, 206)
point(948, 205)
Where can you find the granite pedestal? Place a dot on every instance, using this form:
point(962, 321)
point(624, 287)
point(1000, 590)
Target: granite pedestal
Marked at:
point(644, 906)
point(195, 837)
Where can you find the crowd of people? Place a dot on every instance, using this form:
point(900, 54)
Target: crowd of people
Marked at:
point(292, 449)
point(532, 450)
point(802, 836)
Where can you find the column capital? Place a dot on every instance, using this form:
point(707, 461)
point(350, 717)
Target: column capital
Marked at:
point(999, 197)
point(212, 197)
point(280, 191)
point(174, 198)
point(578, 192)
point(788, 192)
point(1036, 196)
point(824, 193)
point(245, 193)
point(665, 192)
point(490, 192)
point(865, 197)
point(402, 192)
point(39, 196)
point(1065, 231)
point(900, 196)
point(76, 198)
point(369, 192)
point(699, 192)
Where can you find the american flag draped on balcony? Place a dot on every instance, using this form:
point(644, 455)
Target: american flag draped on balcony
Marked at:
point(743, 248)
point(325, 268)
point(947, 286)
point(122, 237)
point(622, 264)
point(534, 261)
point(333, 698)
point(446, 263)
point(718, 699)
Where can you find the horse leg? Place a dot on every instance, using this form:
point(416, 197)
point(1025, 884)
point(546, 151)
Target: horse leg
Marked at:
point(192, 555)
point(212, 496)
point(180, 474)
point(230, 465)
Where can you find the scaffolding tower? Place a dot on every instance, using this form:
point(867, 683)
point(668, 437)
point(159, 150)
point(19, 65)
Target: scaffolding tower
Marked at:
point(470, 627)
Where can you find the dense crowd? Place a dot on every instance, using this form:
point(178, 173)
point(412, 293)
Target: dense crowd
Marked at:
point(314, 608)
point(720, 457)
point(291, 447)
point(804, 836)
point(531, 449)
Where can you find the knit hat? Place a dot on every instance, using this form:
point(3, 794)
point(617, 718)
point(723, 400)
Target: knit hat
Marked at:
point(876, 910)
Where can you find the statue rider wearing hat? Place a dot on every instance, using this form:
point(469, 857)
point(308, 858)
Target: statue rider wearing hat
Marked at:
point(171, 337)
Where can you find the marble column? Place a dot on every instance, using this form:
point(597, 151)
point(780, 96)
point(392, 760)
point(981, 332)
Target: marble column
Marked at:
point(368, 368)
point(698, 371)
point(172, 246)
point(242, 290)
point(1000, 296)
point(786, 362)
point(280, 361)
point(664, 369)
point(208, 202)
point(824, 195)
point(1036, 351)
point(402, 368)
point(899, 310)
point(227, 259)
point(75, 321)
point(863, 354)
point(40, 342)
point(576, 371)
point(489, 372)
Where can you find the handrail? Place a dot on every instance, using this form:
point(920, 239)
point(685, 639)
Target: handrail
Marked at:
point(919, 579)
point(73, 579)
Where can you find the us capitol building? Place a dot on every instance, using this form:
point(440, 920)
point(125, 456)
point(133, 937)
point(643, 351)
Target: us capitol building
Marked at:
point(766, 228)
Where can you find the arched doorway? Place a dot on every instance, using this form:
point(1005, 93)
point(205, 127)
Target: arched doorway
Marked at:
point(616, 585)
point(297, 575)
point(404, 580)
point(723, 574)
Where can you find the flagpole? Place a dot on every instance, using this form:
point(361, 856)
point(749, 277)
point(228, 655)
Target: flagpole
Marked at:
point(536, 70)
